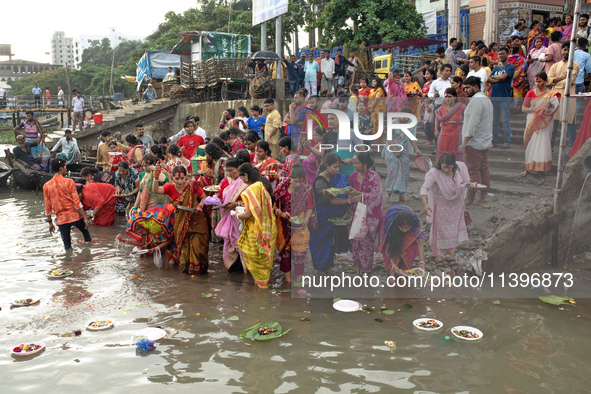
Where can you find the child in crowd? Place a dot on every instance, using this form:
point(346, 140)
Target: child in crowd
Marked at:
point(115, 159)
point(428, 120)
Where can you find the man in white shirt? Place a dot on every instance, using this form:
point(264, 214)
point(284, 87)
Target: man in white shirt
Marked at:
point(451, 47)
point(171, 76)
point(60, 97)
point(477, 71)
point(327, 69)
point(78, 105)
point(198, 130)
point(437, 88)
point(70, 152)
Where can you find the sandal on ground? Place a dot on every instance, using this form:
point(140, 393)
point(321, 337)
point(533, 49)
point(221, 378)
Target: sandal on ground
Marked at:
point(440, 266)
point(455, 267)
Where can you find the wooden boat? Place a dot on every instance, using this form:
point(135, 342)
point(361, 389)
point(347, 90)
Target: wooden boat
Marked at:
point(5, 171)
point(29, 179)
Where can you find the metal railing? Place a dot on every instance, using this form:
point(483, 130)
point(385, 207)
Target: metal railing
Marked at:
point(31, 102)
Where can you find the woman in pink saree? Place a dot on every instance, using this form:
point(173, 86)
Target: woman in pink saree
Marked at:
point(443, 198)
point(367, 187)
point(228, 227)
point(312, 162)
point(397, 97)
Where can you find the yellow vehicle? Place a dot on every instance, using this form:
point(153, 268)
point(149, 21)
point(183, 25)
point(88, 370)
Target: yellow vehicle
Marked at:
point(382, 65)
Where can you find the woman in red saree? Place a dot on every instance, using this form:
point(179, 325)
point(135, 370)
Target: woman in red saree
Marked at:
point(367, 187)
point(402, 240)
point(448, 125)
point(192, 230)
point(519, 77)
point(100, 197)
point(540, 105)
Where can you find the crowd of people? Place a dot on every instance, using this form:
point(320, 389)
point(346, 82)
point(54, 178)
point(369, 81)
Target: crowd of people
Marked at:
point(183, 193)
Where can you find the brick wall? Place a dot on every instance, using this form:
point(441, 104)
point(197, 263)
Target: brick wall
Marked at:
point(476, 26)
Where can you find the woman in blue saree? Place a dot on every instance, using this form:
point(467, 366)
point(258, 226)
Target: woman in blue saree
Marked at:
point(322, 242)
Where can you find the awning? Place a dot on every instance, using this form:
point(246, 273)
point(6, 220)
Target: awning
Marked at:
point(418, 42)
point(183, 47)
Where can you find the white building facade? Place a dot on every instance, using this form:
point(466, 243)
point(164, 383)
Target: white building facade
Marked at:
point(62, 49)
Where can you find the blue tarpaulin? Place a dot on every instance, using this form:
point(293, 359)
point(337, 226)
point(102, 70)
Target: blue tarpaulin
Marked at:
point(154, 65)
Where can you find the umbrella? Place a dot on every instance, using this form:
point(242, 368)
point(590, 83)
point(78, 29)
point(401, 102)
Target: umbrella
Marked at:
point(265, 55)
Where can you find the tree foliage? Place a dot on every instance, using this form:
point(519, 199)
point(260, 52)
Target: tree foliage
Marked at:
point(374, 21)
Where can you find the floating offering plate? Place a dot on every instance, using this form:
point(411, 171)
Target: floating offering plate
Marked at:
point(347, 306)
point(99, 325)
point(25, 302)
point(59, 273)
point(467, 333)
point(427, 324)
point(264, 332)
point(151, 333)
point(28, 348)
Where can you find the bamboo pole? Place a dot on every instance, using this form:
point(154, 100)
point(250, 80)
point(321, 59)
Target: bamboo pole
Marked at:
point(563, 131)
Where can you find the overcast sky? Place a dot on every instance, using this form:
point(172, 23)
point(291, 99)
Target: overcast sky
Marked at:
point(28, 26)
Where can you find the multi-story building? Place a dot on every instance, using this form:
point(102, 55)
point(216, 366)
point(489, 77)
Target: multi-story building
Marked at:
point(62, 49)
point(84, 41)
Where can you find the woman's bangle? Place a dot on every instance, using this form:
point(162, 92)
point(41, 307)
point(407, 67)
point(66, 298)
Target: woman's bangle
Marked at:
point(349, 200)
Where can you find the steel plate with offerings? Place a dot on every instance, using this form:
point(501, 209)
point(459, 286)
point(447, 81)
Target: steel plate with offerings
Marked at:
point(213, 189)
point(297, 222)
point(115, 153)
point(341, 221)
point(335, 191)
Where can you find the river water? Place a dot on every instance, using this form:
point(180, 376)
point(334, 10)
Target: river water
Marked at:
point(528, 346)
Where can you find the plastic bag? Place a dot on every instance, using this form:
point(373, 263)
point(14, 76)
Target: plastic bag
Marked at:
point(158, 258)
point(359, 227)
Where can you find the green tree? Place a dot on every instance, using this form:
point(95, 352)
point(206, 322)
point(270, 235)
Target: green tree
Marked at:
point(374, 21)
point(98, 53)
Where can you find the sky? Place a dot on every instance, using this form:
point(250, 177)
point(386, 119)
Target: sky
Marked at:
point(29, 26)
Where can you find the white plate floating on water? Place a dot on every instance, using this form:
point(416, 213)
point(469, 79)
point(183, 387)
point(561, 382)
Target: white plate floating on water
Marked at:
point(40, 346)
point(422, 322)
point(347, 306)
point(99, 325)
point(152, 333)
point(138, 252)
point(474, 331)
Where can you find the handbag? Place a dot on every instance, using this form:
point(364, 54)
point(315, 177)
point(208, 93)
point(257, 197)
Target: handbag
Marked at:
point(467, 218)
point(359, 227)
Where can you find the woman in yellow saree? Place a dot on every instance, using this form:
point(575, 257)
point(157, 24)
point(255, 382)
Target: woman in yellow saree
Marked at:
point(540, 105)
point(257, 241)
point(414, 92)
point(377, 103)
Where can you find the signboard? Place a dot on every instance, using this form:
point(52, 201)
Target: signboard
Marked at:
point(263, 10)
point(224, 45)
point(5, 50)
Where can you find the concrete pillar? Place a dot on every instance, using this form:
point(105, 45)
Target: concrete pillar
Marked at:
point(264, 36)
point(279, 83)
point(453, 25)
point(491, 21)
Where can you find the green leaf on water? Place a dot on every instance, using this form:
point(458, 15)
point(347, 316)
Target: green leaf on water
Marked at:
point(496, 302)
point(336, 299)
point(555, 300)
point(304, 319)
point(379, 320)
point(368, 309)
point(253, 333)
point(233, 318)
point(407, 306)
point(387, 311)
point(206, 295)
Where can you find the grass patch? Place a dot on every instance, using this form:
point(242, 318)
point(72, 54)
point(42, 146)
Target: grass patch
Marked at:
point(7, 137)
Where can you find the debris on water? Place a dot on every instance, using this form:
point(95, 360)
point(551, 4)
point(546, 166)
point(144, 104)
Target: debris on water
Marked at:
point(206, 295)
point(390, 344)
point(147, 345)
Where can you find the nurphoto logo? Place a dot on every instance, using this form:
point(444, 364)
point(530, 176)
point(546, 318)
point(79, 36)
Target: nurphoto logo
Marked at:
point(393, 125)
